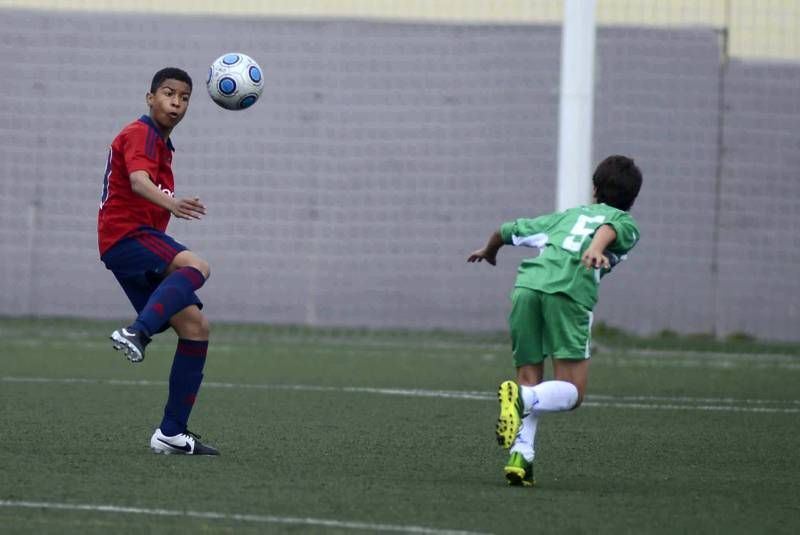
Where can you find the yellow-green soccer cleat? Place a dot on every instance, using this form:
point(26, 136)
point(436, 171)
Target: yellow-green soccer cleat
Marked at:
point(519, 472)
point(510, 413)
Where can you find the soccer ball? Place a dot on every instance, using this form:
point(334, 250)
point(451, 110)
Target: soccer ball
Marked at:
point(235, 81)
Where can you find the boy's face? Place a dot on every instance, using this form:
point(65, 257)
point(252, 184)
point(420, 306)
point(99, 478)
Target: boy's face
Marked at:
point(169, 103)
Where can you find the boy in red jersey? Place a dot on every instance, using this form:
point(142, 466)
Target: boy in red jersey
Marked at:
point(158, 274)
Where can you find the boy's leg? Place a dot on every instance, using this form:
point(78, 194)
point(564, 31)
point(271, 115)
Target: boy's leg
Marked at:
point(572, 372)
point(187, 368)
point(184, 383)
point(519, 468)
point(565, 335)
point(563, 393)
point(525, 324)
point(186, 273)
point(515, 428)
point(145, 263)
point(567, 340)
point(543, 396)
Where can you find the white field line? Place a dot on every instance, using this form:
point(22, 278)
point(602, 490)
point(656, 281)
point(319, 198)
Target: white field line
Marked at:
point(596, 400)
point(627, 358)
point(689, 399)
point(366, 342)
point(209, 515)
point(688, 353)
point(718, 408)
point(346, 343)
point(648, 362)
point(401, 341)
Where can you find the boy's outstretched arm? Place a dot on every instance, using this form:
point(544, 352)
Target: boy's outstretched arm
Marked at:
point(593, 257)
point(181, 208)
point(489, 251)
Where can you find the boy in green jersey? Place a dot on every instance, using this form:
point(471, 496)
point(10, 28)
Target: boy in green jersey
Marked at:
point(552, 301)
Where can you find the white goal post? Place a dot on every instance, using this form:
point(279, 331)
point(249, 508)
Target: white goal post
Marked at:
point(576, 104)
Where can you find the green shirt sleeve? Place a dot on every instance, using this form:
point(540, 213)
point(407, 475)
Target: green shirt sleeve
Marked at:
point(524, 231)
point(506, 231)
point(627, 233)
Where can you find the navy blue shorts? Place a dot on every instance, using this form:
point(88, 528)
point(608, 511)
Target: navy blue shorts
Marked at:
point(139, 262)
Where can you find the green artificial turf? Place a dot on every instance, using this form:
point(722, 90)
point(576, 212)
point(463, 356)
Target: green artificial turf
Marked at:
point(340, 431)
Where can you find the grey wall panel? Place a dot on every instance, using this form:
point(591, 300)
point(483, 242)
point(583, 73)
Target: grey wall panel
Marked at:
point(657, 101)
point(759, 226)
point(379, 156)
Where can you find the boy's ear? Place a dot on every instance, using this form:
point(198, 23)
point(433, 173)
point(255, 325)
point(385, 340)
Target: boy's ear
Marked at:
point(148, 98)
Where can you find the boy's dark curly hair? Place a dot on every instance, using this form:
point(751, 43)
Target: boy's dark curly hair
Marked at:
point(617, 181)
point(169, 73)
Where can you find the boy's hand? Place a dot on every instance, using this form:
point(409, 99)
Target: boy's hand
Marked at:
point(483, 254)
point(188, 208)
point(593, 258)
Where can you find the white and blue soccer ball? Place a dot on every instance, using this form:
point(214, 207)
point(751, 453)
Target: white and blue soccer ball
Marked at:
point(235, 81)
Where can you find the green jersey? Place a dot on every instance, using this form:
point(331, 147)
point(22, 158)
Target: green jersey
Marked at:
point(562, 238)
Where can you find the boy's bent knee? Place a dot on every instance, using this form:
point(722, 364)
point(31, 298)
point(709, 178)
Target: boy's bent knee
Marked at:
point(579, 398)
point(189, 259)
point(202, 266)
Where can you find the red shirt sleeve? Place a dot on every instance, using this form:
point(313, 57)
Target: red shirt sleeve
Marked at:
point(140, 152)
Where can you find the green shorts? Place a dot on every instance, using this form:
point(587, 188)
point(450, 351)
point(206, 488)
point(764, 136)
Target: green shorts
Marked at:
point(548, 325)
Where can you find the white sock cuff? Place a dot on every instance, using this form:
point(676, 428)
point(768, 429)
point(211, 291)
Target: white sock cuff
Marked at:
point(528, 397)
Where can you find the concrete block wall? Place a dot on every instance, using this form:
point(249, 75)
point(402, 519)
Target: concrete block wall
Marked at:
point(379, 156)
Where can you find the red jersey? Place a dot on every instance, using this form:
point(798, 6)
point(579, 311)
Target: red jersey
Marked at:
point(138, 147)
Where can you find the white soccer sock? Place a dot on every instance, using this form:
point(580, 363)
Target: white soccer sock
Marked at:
point(528, 397)
point(554, 396)
point(526, 436)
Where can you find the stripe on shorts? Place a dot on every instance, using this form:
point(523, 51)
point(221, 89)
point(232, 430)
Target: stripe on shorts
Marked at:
point(162, 250)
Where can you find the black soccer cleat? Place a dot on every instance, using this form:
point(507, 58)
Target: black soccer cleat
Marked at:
point(186, 443)
point(131, 342)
